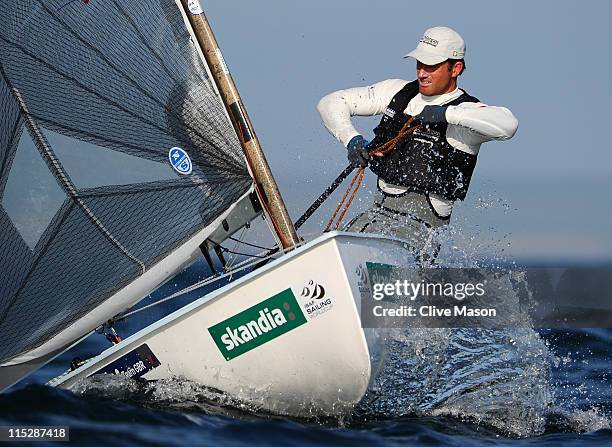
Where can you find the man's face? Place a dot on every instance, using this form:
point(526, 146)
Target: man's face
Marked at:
point(437, 79)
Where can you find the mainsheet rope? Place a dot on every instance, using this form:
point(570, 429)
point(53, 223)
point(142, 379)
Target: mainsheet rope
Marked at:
point(379, 151)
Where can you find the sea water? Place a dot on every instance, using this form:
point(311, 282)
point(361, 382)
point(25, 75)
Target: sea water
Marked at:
point(431, 398)
point(430, 387)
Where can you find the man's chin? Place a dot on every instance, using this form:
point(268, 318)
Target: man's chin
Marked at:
point(425, 90)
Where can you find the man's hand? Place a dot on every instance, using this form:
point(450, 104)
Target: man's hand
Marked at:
point(358, 152)
point(433, 114)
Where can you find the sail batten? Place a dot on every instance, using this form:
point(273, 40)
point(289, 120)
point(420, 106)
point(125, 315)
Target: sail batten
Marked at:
point(106, 88)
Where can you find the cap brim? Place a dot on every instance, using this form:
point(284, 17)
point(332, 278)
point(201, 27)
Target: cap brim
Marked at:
point(425, 57)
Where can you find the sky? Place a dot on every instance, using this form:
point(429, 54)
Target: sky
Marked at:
point(543, 195)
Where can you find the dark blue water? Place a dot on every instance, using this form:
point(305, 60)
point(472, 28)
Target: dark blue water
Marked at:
point(556, 390)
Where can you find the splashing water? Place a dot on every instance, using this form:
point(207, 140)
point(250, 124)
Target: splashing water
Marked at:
point(499, 378)
point(176, 393)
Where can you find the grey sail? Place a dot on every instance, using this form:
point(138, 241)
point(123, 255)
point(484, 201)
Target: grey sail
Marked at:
point(93, 95)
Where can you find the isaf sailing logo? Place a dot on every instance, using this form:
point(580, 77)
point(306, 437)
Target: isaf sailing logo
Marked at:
point(314, 299)
point(313, 290)
point(180, 161)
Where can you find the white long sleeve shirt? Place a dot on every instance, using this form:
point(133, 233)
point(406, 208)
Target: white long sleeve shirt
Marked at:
point(469, 124)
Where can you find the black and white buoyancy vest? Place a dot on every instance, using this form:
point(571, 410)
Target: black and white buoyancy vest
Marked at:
point(423, 161)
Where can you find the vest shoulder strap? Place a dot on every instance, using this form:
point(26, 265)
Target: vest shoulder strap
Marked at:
point(401, 99)
point(465, 97)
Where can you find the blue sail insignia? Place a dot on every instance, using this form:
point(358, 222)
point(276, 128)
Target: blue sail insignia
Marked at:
point(180, 161)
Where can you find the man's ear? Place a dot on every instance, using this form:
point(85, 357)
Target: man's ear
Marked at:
point(457, 69)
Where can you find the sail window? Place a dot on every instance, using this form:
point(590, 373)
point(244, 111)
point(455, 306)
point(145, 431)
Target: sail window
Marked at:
point(31, 196)
point(91, 166)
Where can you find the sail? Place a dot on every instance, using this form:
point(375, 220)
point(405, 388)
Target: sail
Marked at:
point(94, 94)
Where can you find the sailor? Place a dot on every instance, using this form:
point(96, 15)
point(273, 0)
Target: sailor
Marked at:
point(430, 168)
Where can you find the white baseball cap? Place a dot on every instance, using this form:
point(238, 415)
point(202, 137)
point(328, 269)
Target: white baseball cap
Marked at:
point(437, 45)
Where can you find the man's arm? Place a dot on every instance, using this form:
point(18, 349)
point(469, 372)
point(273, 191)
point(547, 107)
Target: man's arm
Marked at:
point(337, 108)
point(486, 122)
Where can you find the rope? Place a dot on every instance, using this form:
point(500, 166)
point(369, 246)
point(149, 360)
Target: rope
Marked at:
point(381, 150)
point(387, 147)
point(248, 243)
point(323, 197)
point(356, 179)
point(227, 250)
point(235, 258)
point(360, 174)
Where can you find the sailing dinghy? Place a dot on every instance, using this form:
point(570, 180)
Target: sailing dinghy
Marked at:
point(125, 155)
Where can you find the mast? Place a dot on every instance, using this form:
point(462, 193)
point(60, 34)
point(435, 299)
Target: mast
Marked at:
point(266, 187)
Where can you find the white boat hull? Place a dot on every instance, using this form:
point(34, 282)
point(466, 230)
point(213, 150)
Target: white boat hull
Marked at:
point(286, 338)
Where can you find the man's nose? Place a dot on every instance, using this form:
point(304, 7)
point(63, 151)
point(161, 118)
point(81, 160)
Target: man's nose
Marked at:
point(422, 73)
